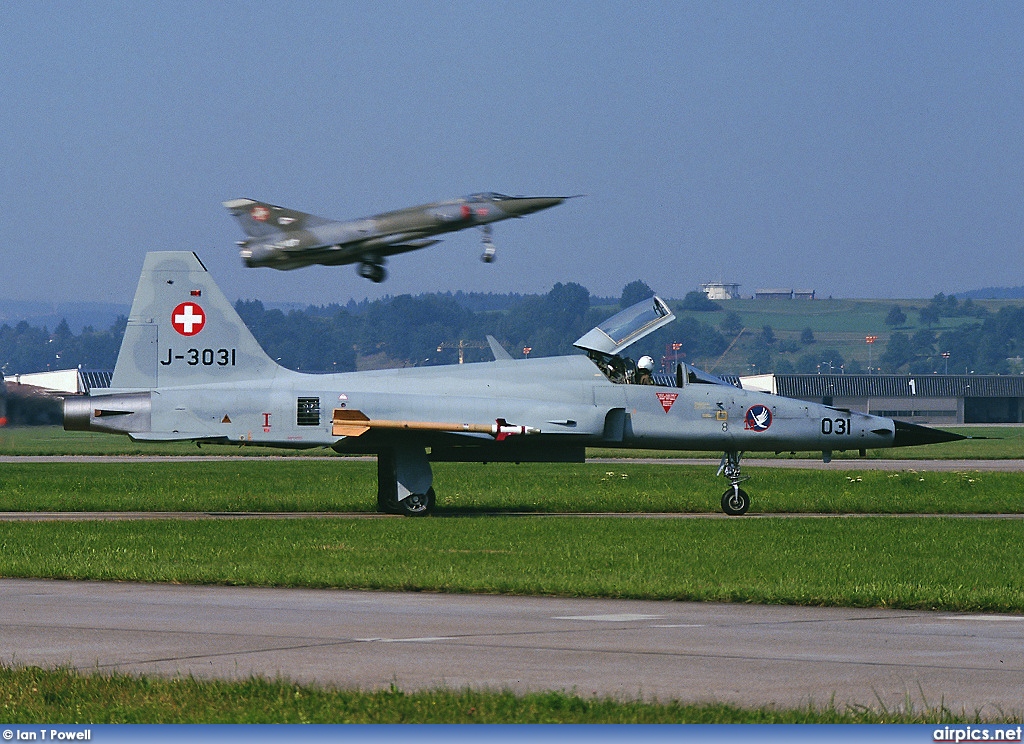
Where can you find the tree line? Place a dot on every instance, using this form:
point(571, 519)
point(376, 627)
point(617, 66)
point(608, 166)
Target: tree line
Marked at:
point(430, 329)
point(403, 330)
point(993, 344)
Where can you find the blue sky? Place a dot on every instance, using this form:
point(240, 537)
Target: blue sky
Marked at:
point(859, 149)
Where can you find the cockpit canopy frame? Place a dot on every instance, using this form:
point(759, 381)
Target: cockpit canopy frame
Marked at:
point(626, 327)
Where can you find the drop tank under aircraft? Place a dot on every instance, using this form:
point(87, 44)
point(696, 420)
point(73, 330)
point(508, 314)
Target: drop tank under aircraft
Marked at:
point(189, 369)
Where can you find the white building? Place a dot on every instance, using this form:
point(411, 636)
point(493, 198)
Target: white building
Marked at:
point(721, 291)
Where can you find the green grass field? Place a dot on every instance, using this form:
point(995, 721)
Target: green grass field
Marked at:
point(340, 485)
point(948, 564)
point(61, 696)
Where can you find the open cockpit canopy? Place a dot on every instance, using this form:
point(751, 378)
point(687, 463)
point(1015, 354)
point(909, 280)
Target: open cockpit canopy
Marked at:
point(626, 327)
point(604, 343)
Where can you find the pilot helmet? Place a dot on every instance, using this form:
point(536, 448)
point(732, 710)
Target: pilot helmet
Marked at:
point(645, 363)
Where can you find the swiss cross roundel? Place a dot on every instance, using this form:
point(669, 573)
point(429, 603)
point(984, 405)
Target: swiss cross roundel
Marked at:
point(188, 319)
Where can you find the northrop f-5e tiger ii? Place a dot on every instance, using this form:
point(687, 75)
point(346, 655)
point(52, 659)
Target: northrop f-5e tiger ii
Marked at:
point(189, 369)
point(285, 239)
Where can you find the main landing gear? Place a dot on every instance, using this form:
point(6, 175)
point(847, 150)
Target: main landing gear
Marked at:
point(735, 501)
point(488, 255)
point(373, 270)
point(404, 482)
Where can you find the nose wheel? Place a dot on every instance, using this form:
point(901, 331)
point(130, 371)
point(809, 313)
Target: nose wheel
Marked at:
point(735, 501)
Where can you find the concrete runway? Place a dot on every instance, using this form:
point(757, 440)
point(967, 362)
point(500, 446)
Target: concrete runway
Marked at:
point(749, 655)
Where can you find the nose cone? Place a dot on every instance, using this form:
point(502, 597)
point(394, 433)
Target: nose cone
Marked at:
point(517, 206)
point(908, 435)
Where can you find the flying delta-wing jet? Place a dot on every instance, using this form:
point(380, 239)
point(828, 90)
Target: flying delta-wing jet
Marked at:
point(189, 369)
point(287, 239)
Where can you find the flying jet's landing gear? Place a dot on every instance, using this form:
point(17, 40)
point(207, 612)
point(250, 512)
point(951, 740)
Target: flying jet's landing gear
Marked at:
point(735, 501)
point(404, 482)
point(374, 271)
point(488, 255)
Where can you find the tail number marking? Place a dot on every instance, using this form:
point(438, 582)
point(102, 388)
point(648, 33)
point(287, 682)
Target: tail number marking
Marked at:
point(204, 357)
point(838, 426)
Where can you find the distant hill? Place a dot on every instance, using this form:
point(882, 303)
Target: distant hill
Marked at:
point(102, 315)
point(99, 315)
point(741, 336)
point(993, 293)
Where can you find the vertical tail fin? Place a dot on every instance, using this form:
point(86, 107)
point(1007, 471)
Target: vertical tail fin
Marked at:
point(260, 220)
point(183, 331)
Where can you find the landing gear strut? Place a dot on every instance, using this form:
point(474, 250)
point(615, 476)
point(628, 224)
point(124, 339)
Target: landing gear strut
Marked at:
point(735, 501)
point(488, 255)
point(373, 270)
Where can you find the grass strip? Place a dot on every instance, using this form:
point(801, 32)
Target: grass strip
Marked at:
point(61, 696)
point(470, 488)
point(919, 563)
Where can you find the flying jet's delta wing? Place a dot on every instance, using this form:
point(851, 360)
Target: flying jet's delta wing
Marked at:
point(285, 239)
point(189, 369)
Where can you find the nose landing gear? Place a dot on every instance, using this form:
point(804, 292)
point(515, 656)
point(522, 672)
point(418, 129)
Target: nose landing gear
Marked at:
point(488, 254)
point(735, 500)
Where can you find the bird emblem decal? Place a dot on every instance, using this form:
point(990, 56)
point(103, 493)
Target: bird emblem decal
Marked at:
point(758, 418)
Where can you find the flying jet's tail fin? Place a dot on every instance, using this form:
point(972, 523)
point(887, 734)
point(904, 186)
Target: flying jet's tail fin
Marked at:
point(259, 219)
point(183, 331)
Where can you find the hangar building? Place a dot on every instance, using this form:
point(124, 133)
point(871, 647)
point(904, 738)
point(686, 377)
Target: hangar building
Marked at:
point(922, 399)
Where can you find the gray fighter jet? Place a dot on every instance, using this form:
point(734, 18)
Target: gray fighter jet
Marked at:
point(189, 369)
point(286, 239)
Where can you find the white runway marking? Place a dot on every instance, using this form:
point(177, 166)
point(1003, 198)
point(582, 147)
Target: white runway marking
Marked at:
point(620, 618)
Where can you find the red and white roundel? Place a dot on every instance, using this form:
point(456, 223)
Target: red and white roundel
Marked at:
point(260, 214)
point(188, 319)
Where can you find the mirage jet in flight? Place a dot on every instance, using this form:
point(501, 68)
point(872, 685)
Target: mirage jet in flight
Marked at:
point(189, 369)
point(285, 239)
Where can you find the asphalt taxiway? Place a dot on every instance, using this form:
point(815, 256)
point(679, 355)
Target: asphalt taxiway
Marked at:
point(749, 655)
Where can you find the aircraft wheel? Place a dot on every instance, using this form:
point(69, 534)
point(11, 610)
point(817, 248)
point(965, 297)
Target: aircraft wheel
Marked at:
point(417, 504)
point(735, 502)
point(386, 505)
point(374, 272)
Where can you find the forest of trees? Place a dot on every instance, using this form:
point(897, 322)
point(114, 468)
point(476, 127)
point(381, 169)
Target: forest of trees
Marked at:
point(427, 329)
point(984, 346)
point(396, 331)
